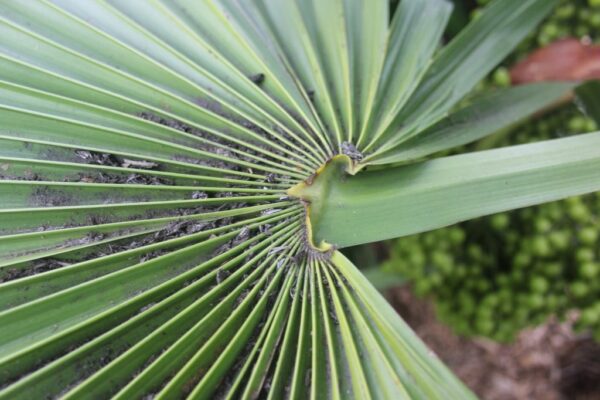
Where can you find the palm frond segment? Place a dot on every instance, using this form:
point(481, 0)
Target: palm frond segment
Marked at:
point(148, 248)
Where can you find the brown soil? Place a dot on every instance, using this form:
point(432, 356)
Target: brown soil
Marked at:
point(549, 362)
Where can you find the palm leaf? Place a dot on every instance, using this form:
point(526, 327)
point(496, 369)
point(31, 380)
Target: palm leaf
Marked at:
point(432, 194)
point(148, 244)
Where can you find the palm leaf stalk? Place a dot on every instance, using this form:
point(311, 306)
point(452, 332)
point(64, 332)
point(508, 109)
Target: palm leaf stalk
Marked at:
point(178, 176)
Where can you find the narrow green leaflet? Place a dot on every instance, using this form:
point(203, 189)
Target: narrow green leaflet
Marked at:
point(415, 34)
point(458, 67)
point(366, 30)
point(486, 115)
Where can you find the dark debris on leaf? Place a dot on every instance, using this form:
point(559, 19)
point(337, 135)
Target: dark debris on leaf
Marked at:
point(222, 274)
point(198, 195)
point(351, 151)
point(258, 78)
point(40, 266)
point(92, 157)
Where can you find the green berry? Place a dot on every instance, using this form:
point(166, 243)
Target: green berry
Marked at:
point(417, 258)
point(579, 289)
point(521, 315)
point(584, 255)
point(543, 127)
point(485, 311)
point(503, 280)
point(527, 213)
point(565, 12)
point(500, 221)
point(484, 326)
point(572, 201)
point(541, 247)
point(483, 285)
point(588, 317)
point(579, 213)
point(442, 261)
point(476, 13)
point(594, 20)
point(550, 30)
point(516, 276)
point(435, 279)
point(502, 77)
point(542, 225)
point(544, 40)
point(460, 272)
point(553, 211)
point(475, 252)
point(457, 235)
point(422, 287)
point(490, 300)
point(522, 260)
point(553, 269)
point(536, 301)
point(512, 237)
point(589, 270)
point(539, 284)
point(577, 124)
point(560, 240)
point(430, 240)
point(588, 235)
point(590, 124)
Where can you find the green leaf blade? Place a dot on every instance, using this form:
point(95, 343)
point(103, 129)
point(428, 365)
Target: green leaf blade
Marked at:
point(463, 63)
point(488, 114)
point(404, 200)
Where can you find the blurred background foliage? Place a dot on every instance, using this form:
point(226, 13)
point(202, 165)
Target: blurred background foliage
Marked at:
point(498, 275)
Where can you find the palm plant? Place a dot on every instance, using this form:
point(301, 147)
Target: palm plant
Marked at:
point(178, 176)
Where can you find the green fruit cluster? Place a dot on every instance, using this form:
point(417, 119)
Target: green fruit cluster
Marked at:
point(578, 18)
point(497, 275)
